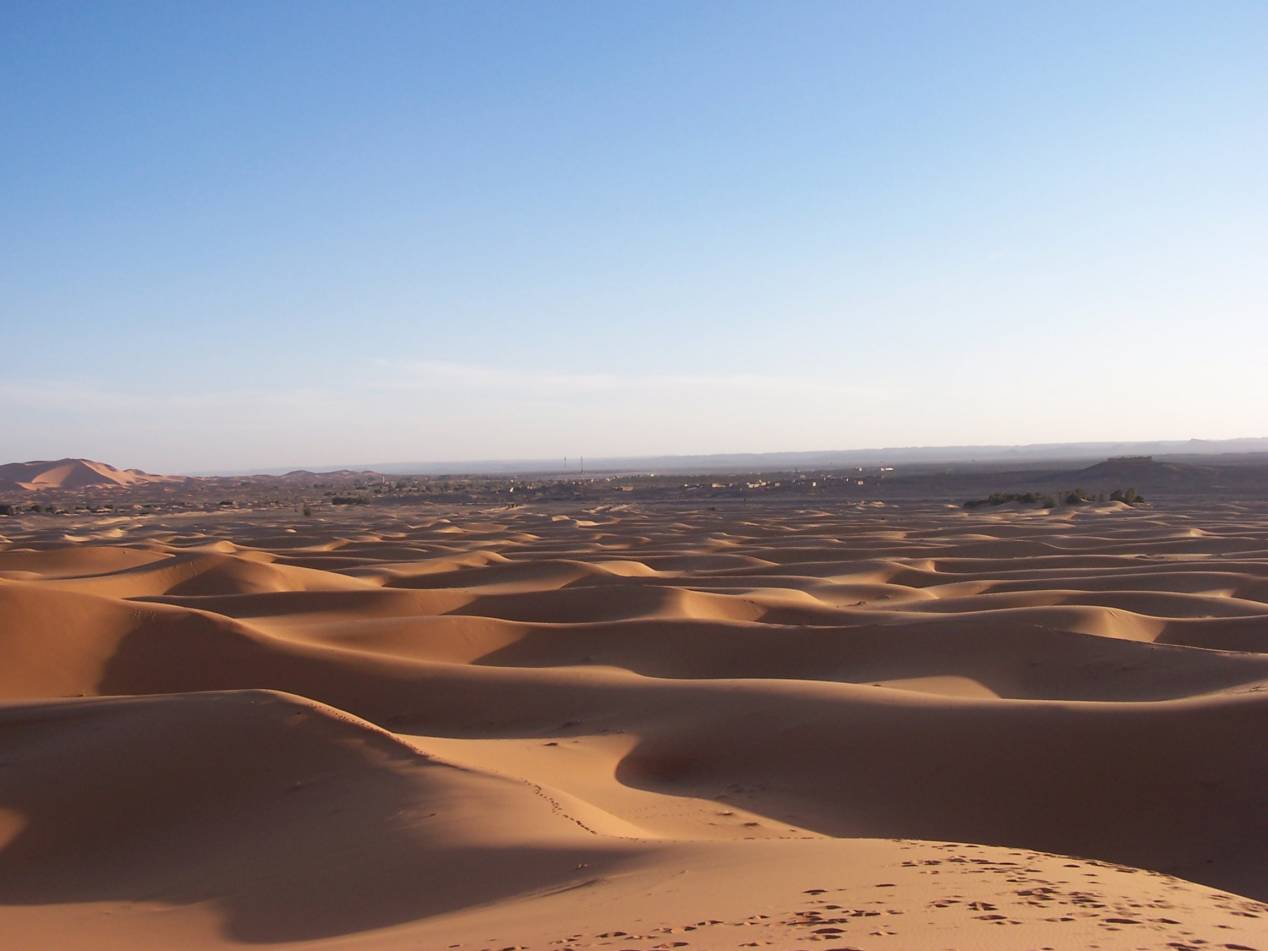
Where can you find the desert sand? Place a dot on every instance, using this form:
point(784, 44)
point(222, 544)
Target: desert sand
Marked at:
point(633, 727)
point(75, 474)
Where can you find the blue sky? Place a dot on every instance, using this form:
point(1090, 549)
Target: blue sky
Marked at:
point(256, 234)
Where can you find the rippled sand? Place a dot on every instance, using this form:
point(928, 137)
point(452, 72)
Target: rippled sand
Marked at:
point(637, 727)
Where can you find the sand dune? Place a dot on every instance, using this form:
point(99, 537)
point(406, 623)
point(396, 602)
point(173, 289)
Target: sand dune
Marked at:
point(551, 727)
point(268, 806)
point(73, 474)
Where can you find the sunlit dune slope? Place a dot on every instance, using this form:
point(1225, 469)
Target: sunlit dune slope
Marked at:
point(540, 727)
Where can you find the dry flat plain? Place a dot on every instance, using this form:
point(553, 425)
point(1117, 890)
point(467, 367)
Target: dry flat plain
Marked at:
point(624, 727)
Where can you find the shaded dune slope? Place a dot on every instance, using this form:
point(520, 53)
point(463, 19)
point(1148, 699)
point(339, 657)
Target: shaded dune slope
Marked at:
point(1088, 684)
point(220, 802)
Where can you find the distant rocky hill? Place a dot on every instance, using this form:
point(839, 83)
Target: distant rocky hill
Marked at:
point(331, 474)
point(74, 474)
point(1243, 476)
point(1149, 474)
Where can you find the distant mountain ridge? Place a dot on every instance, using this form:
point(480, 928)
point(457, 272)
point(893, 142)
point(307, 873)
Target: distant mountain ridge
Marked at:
point(831, 458)
point(80, 473)
point(69, 473)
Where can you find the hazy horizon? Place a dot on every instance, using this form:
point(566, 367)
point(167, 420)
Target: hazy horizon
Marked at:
point(241, 235)
point(990, 453)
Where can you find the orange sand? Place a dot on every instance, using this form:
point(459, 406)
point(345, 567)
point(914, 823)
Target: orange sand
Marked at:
point(636, 727)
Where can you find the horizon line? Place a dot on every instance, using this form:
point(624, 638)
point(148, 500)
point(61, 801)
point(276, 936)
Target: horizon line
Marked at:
point(547, 464)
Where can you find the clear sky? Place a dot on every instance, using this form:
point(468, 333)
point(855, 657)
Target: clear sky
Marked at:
point(275, 233)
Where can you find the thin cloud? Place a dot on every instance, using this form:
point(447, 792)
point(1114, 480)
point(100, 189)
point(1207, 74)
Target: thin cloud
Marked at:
point(435, 374)
point(77, 397)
